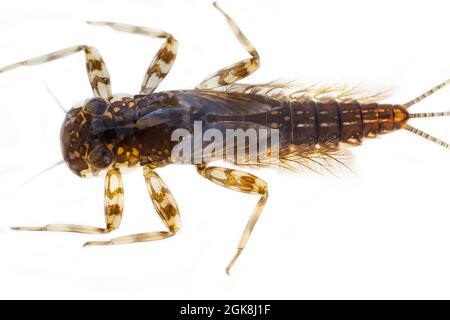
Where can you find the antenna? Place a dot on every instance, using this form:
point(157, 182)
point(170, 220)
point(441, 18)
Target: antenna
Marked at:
point(60, 105)
point(39, 174)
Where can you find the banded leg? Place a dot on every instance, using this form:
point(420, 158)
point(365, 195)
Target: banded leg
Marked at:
point(243, 182)
point(164, 204)
point(162, 62)
point(238, 70)
point(113, 210)
point(96, 68)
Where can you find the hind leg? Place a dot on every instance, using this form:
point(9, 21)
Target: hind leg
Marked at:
point(243, 182)
point(164, 204)
point(238, 70)
point(113, 210)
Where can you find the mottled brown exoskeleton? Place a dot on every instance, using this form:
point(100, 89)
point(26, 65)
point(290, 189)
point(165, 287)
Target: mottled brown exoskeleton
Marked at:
point(109, 133)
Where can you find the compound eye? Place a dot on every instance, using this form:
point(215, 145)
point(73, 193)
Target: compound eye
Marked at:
point(100, 157)
point(96, 106)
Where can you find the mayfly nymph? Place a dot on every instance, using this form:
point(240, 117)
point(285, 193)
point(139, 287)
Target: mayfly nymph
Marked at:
point(109, 133)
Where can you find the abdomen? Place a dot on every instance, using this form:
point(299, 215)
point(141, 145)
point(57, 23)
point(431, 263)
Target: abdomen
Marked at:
point(299, 122)
point(311, 122)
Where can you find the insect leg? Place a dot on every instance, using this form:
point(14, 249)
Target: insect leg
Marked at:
point(113, 210)
point(164, 204)
point(96, 68)
point(238, 70)
point(162, 62)
point(239, 181)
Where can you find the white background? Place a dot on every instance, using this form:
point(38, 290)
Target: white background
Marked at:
point(382, 233)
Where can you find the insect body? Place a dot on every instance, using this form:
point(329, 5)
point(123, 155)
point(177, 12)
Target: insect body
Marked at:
point(138, 130)
point(109, 133)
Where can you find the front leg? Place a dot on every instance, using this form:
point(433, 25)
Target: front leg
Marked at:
point(113, 210)
point(164, 204)
point(243, 182)
point(96, 67)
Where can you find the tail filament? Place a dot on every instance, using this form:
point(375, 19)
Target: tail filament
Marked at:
point(426, 136)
